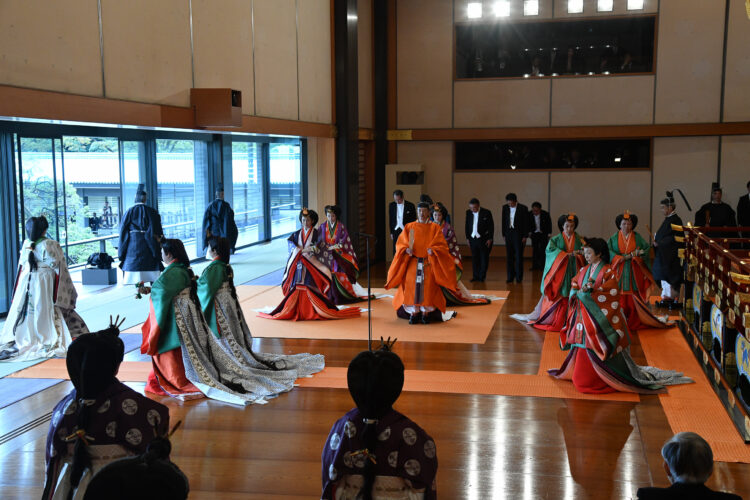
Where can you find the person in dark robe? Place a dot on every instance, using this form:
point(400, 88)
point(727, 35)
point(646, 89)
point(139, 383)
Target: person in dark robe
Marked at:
point(374, 451)
point(540, 229)
point(140, 233)
point(218, 220)
point(100, 420)
point(667, 268)
point(716, 213)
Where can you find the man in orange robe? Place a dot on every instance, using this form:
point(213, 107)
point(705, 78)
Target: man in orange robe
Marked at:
point(422, 265)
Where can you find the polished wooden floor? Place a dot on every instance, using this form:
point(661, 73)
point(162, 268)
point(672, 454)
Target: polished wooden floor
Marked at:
point(489, 447)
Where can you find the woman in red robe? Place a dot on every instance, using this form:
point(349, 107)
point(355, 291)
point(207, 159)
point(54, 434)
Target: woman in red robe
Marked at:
point(631, 264)
point(597, 335)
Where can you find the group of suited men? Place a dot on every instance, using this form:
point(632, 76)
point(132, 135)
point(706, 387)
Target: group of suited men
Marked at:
point(518, 224)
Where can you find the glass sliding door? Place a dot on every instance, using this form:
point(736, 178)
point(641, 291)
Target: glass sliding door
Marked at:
point(181, 175)
point(248, 193)
point(91, 174)
point(285, 188)
point(132, 172)
point(37, 182)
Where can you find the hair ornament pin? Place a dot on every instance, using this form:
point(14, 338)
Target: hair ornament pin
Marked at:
point(626, 215)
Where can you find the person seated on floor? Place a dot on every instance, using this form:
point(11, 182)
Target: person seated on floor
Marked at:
point(421, 266)
point(598, 338)
point(271, 374)
point(42, 319)
point(564, 257)
point(149, 476)
point(188, 360)
point(631, 264)
point(338, 255)
point(307, 281)
point(688, 462)
point(461, 295)
point(375, 452)
point(100, 420)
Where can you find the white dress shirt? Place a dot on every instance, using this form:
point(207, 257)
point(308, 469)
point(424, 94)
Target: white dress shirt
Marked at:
point(538, 222)
point(475, 230)
point(512, 216)
point(399, 217)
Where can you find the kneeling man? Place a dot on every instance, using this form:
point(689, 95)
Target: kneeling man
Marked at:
point(422, 265)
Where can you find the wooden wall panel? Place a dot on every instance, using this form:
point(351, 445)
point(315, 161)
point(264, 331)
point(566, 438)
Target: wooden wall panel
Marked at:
point(502, 103)
point(597, 198)
point(619, 8)
point(223, 47)
point(437, 158)
point(490, 188)
point(735, 174)
point(147, 51)
point(321, 173)
point(688, 163)
point(276, 58)
point(364, 63)
point(314, 17)
point(425, 63)
point(688, 62)
point(51, 46)
point(614, 100)
point(737, 76)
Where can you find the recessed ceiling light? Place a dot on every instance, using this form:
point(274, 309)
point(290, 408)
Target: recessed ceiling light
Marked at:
point(474, 10)
point(502, 8)
point(575, 6)
point(531, 7)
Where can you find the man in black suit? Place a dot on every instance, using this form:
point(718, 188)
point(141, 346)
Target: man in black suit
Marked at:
point(688, 462)
point(400, 213)
point(743, 213)
point(515, 231)
point(480, 229)
point(540, 229)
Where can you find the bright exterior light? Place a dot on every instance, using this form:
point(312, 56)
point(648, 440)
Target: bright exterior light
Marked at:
point(575, 6)
point(502, 8)
point(605, 5)
point(512, 167)
point(474, 10)
point(618, 159)
point(531, 7)
point(635, 4)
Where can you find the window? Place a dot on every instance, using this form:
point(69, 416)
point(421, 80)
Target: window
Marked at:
point(248, 197)
point(554, 48)
point(553, 155)
point(181, 168)
point(285, 188)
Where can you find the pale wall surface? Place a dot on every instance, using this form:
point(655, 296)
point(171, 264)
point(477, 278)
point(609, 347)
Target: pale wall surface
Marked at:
point(223, 47)
point(51, 45)
point(615, 100)
point(735, 167)
point(502, 103)
point(321, 173)
point(425, 63)
point(688, 61)
point(249, 45)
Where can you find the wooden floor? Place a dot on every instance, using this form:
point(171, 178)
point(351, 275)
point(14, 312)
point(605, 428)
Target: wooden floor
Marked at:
point(489, 447)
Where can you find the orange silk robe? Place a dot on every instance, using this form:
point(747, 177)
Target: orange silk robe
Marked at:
point(439, 268)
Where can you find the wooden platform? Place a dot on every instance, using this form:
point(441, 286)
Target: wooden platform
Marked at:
point(488, 446)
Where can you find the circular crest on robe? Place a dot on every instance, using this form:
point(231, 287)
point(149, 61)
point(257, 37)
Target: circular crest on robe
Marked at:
point(375, 380)
point(565, 217)
point(627, 215)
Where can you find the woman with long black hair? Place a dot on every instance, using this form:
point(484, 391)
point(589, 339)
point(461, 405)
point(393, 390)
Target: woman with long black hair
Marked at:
point(42, 320)
point(271, 373)
point(100, 420)
point(189, 361)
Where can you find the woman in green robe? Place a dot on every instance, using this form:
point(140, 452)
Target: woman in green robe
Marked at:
point(272, 373)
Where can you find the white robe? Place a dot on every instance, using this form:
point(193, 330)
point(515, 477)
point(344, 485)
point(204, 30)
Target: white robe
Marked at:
point(41, 331)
